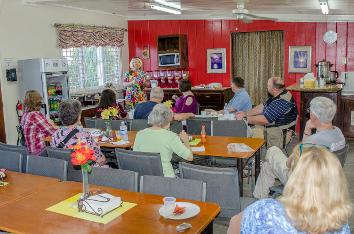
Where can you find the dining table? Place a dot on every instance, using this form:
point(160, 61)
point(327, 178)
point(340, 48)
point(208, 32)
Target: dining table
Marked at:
point(29, 214)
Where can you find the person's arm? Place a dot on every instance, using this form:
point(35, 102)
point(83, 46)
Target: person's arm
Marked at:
point(257, 120)
point(308, 130)
point(100, 158)
point(185, 139)
point(128, 84)
point(182, 116)
point(180, 146)
point(255, 111)
point(289, 161)
point(235, 224)
point(45, 126)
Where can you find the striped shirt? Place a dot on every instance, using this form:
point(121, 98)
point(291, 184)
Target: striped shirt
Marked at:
point(278, 111)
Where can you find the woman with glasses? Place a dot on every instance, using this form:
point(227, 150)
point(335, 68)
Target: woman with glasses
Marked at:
point(276, 164)
point(34, 124)
point(315, 199)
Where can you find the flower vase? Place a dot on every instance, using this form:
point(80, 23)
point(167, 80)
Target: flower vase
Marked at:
point(85, 184)
point(108, 128)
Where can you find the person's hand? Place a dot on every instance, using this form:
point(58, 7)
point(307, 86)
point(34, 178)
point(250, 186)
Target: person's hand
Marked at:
point(231, 110)
point(308, 127)
point(175, 97)
point(240, 115)
point(184, 136)
point(101, 160)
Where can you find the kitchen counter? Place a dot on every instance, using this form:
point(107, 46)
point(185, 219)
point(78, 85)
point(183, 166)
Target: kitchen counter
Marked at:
point(327, 88)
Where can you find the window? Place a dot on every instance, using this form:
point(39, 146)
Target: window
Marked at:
point(92, 67)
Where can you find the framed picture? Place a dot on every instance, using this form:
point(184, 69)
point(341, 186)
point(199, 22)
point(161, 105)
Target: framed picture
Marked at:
point(146, 52)
point(300, 59)
point(216, 60)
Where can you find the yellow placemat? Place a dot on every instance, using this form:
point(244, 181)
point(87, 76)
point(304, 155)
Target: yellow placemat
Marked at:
point(2, 184)
point(69, 207)
point(195, 142)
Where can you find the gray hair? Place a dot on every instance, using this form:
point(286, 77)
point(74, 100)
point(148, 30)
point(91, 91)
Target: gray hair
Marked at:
point(157, 93)
point(69, 111)
point(324, 108)
point(160, 116)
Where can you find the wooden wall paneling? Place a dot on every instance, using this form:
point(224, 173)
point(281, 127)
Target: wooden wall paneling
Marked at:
point(145, 44)
point(331, 50)
point(320, 45)
point(190, 28)
point(350, 47)
point(154, 31)
point(209, 44)
point(225, 42)
point(131, 41)
point(201, 53)
point(341, 46)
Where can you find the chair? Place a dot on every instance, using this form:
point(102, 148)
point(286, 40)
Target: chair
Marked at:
point(139, 124)
point(222, 186)
point(342, 154)
point(141, 162)
point(194, 126)
point(11, 160)
point(115, 178)
point(51, 167)
point(176, 126)
point(173, 187)
point(232, 128)
point(90, 122)
point(14, 148)
point(74, 173)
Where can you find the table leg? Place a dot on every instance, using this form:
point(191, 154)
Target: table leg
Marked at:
point(257, 165)
point(240, 174)
point(209, 228)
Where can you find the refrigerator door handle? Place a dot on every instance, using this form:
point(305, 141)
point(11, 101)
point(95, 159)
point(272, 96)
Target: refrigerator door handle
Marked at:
point(43, 105)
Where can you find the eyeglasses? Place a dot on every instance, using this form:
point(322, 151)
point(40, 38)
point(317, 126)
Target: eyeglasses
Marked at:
point(308, 145)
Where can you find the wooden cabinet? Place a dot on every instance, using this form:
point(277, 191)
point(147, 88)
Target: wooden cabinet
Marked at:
point(207, 98)
point(347, 113)
point(87, 112)
point(173, 44)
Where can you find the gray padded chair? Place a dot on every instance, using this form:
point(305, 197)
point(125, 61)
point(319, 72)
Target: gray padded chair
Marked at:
point(19, 149)
point(44, 166)
point(139, 124)
point(342, 154)
point(90, 122)
point(141, 162)
point(173, 187)
point(176, 126)
point(11, 160)
point(74, 173)
point(194, 126)
point(232, 128)
point(100, 124)
point(222, 186)
point(115, 178)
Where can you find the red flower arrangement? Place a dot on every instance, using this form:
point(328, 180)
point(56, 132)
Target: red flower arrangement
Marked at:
point(82, 156)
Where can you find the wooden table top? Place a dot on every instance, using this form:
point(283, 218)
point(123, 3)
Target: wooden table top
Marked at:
point(28, 215)
point(21, 185)
point(328, 88)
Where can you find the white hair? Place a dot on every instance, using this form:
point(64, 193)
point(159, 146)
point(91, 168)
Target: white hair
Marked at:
point(324, 109)
point(157, 93)
point(160, 116)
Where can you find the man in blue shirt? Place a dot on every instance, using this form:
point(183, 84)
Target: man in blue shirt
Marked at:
point(143, 109)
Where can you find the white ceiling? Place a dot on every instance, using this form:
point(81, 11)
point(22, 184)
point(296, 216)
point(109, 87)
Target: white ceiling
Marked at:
point(284, 10)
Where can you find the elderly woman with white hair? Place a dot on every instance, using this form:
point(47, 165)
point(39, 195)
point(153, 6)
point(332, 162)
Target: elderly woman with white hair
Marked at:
point(158, 139)
point(276, 165)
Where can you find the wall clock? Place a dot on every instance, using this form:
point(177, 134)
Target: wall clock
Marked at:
point(330, 37)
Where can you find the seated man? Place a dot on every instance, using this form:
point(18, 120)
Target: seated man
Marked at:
point(276, 165)
point(276, 114)
point(241, 100)
point(143, 109)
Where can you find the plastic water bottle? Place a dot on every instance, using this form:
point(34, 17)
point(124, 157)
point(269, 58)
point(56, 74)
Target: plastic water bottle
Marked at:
point(123, 131)
point(226, 110)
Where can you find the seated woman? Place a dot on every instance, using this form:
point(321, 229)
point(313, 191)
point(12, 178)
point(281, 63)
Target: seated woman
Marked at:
point(108, 99)
point(72, 132)
point(187, 103)
point(34, 124)
point(158, 139)
point(315, 199)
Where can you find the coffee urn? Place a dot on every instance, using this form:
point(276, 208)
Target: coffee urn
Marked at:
point(323, 70)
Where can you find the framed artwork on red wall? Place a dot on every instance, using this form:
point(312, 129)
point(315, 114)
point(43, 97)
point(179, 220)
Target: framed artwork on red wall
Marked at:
point(300, 59)
point(216, 60)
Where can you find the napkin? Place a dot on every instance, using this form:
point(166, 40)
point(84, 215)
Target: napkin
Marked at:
point(198, 149)
point(121, 142)
point(239, 148)
point(195, 142)
point(101, 204)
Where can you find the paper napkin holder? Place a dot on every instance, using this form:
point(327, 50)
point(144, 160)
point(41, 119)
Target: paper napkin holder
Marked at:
point(99, 204)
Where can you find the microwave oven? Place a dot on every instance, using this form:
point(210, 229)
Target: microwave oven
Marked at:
point(169, 59)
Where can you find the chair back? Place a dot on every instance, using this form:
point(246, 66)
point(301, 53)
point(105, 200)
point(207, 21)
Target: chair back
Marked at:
point(139, 124)
point(173, 187)
point(232, 128)
point(74, 173)
point(176, 126)
point(19, 149)
point(11, 160)
point(222, 186)
point(115, 178)
point(342, 154)
point(90, 122)
point(44, 166)
point(194, 126)
point(141, 162)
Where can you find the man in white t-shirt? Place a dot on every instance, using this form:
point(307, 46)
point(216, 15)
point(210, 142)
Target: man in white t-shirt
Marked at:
point(276, 165)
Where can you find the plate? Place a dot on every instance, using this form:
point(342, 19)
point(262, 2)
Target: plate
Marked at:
point(191, 211)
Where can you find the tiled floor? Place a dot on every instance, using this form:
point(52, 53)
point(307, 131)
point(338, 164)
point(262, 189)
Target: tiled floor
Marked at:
point(220, 227)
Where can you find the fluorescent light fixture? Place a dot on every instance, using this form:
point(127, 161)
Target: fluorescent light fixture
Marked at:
point(165, 9)
point(324, 7)
point(168, 4)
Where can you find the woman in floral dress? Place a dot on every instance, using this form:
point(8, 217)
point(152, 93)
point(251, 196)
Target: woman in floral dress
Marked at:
point(134, 82)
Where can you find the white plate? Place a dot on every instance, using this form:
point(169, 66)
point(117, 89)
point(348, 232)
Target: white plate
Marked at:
point(191, 211)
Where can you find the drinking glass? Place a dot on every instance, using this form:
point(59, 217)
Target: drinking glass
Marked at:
point(169, 204)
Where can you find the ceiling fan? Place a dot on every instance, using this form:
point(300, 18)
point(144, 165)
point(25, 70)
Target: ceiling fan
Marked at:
point(241, 13)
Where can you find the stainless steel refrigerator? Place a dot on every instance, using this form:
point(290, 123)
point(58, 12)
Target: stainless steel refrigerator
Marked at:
point(49, 77)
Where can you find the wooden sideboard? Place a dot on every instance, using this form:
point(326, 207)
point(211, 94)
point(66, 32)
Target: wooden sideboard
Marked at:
point(307, 94)
point(207, 98)
point(347, 111)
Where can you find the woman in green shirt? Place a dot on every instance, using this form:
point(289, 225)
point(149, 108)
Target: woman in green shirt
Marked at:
point(159, 139)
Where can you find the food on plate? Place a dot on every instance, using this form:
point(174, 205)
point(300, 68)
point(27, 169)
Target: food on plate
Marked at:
point(179, 210)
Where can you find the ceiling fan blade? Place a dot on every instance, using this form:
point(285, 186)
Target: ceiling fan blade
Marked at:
point(259, 17)
point(221, 16)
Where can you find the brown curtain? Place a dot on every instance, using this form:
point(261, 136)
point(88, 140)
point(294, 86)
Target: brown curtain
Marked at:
point(73, 35)
point(257, 56)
